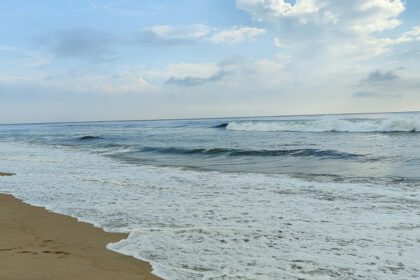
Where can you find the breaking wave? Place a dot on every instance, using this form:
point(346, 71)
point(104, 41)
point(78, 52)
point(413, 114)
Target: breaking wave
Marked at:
point(330, 125)
point(256, 153)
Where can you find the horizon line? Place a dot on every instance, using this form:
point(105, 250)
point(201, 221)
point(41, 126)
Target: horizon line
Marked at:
point(208, 118)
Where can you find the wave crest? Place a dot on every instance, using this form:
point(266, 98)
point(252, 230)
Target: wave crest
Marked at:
point(254, 153)
point(330, 125)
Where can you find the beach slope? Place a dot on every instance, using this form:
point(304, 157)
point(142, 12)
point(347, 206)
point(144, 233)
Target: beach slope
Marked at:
point(37, 244)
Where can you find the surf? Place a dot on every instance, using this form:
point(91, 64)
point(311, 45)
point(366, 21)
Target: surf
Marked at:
point(398, 124)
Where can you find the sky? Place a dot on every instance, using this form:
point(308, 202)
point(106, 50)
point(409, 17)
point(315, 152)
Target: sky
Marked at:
point(79, 60)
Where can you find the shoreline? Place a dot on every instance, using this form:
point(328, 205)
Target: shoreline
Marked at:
point(38, 244)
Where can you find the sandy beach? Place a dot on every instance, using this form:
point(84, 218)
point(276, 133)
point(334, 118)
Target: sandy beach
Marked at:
point(37, 244)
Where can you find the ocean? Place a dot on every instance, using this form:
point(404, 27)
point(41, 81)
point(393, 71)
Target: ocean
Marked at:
point(296, 197)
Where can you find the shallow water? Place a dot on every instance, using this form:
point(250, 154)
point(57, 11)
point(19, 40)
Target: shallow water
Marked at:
point(312, 197)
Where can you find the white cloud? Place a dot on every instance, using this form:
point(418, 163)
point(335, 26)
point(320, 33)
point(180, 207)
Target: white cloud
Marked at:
point(236, 34)
point(368, 46)
point(378, 15)
point(342, 28)
point(268, 9)
point(177, 33)
point(409, 36)
point(201, 70)
point(180, 32)
point(277, 43)
point(360, 48)
point(167, 34)
point(365, 16)
point(129, 82)
point(329, 17)
point(125, 85)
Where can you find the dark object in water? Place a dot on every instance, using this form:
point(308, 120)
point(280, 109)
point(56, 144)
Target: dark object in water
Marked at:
point(223, 125)
point(88, 137)
point(6, 174)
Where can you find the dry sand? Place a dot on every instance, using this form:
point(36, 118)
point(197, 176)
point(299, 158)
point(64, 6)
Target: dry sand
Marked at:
point(37, 244)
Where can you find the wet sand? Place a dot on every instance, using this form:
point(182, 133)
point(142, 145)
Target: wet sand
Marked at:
point(37, 244)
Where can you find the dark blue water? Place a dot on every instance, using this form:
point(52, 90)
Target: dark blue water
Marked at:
point(381, 146)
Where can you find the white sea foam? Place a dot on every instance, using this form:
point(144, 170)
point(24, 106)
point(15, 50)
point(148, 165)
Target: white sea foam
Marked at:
point(394, 124)
point(210, 225)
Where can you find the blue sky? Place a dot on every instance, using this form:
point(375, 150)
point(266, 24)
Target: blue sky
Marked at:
point(107, 60)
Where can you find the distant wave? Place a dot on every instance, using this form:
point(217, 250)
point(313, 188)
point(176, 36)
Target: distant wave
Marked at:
point(256, 153)
point(89, 137)
point(330, 125)
point(222, 125)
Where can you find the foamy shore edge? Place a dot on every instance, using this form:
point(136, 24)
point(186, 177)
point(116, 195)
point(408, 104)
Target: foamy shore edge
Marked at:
point(73, 249)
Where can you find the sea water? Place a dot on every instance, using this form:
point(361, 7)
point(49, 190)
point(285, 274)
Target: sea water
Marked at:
point(303, 197)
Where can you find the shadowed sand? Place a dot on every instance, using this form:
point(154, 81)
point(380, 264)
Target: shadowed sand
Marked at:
point(37, 244)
